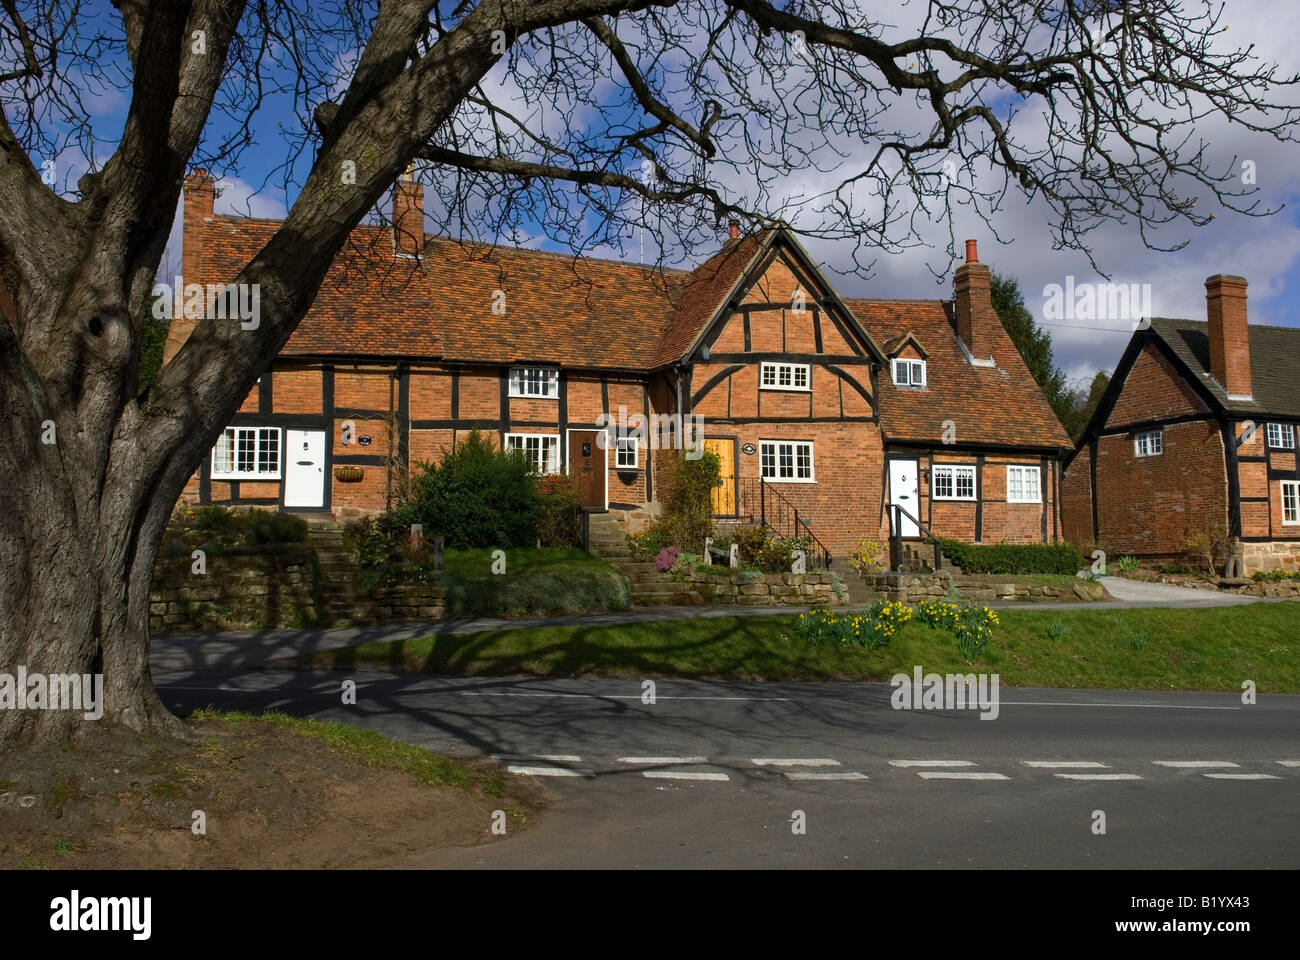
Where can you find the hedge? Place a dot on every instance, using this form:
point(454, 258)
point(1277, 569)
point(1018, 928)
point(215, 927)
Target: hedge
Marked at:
point(1063, 558)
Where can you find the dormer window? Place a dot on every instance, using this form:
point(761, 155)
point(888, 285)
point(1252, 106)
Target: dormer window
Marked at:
point(784, 376)
point(909, 373)
point(534, 382)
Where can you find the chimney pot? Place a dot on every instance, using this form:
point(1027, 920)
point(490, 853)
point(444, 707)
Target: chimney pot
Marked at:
point(972, 255)
point(733, 229)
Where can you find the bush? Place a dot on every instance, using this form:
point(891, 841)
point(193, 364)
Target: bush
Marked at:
point(688, 502)
point(1060, 558)
point(375, 538)
point(1273, 576)
point(558, 519)
point(477, 497)
point(217, 519)
point(863, 559)
point(648, 544)
point(267, 526)
point(1176, 568)
point(760, 549)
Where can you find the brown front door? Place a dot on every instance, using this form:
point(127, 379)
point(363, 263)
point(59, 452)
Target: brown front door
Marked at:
point(587, 464)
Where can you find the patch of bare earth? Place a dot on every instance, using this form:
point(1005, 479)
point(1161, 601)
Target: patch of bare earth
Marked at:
point(271, 797)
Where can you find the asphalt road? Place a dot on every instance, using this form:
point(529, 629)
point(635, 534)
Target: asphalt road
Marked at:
point(1184, 780)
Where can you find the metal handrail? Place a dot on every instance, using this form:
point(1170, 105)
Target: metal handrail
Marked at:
point(783, 514)
point(896, 537)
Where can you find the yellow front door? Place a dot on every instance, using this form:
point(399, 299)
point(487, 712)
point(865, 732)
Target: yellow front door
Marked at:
point(724, 495)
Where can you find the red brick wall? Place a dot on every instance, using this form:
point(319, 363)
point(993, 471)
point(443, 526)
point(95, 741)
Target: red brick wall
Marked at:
point(1000, 521)
point(1076, 499)
point(1153, 390)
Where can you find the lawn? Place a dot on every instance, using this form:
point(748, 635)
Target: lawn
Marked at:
point(1205, 649)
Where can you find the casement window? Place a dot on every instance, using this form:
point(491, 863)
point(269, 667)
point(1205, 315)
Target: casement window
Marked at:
point(952, 482)
point(1291, 501)
point(909, 373)
point(625, 455)
point(247, 453)
point(786, 461)
point(785, 376)
point(1281, 436)
point(1149, 443)
point(1022, 485)
point(534, 382)
point(543, 449)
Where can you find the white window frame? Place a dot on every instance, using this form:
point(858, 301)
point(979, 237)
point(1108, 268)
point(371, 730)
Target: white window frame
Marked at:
point(553, 459)
point(952, 470)
point(1038, 483)
point(1281, 436)
point(795, 448)
point(1148, 443)
point(785, 376)
point(241, 433)
point(1295, 502)
point(623, 445)
point(899, 362)
point(535, 383)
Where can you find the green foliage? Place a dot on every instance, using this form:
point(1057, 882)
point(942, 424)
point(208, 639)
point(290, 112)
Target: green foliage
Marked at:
point(871, 628)
point(1060, 558)
point(1138, 641)
point(535, 594)
point(559, 523)
point(1056, 631)
point(863, 559)
point(268, 526)
point(645, 546)
point(375, 538)
point(153, 340)
point(1176, 568)
point(688, 504)
point(1034, 344)
point(761, 550)
point(974, 629)
point(1127, 564)
point(215, 519)
point(937, 614)
point(476, 496)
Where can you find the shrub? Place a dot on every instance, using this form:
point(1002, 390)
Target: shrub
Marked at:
point(648, 544)
point(1061, 558)
point(666, 558)
point(268, 526)
point(215, 518)
point(477, 496)
point(863, 559)
point(1273, 576)
point(1176, 568)
point(1207, 544)
point(1127, 564)
point(760, 549)
point(688, 503)
point(375, 538)
point(558, 520)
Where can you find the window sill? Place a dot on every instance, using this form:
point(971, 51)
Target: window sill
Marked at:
point(787, 480)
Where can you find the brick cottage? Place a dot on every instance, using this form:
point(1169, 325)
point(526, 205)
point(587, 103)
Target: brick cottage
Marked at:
point(1195, 437)
point(834, 407)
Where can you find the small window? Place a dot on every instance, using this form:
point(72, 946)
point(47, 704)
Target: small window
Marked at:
point(1291, 501)
point(625, 457)
point(1148, 444)
point(534, 382)
point(784, 376)
point(1022, 485)
point(543, 449)
point(247, 453)
point(909, 373)
point(1281, 436)
point(952, 483)
point(786, 461)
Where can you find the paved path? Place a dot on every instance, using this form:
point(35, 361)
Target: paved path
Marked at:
point(250, 649)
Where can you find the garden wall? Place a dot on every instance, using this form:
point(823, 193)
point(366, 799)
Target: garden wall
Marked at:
point(752, 589)
point(253, 591)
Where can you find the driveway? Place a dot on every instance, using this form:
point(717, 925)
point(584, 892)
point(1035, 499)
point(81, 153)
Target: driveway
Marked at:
point(1137, 592)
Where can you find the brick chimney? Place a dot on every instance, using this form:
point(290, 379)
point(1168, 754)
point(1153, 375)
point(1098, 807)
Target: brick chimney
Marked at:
point(408, 215)
point(200, 195)
point(977, 324)
point(733, 229)
point(1225, 304)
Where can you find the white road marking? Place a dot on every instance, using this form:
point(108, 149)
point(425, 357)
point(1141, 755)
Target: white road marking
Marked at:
point(682, 775)
point(1290, 763)
point(804, 775)
point(1097, 776)
point(931, 763)
point(595, 696)
point(549, 771)
point(662, 761)
point(1241, 776)
point(1186, 764)
point(545, 757)
point(1148, 706)
point(1062, 764)
point(941, 775)
point(768, 762)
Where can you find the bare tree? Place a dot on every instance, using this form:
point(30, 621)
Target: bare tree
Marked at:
point(588, 117)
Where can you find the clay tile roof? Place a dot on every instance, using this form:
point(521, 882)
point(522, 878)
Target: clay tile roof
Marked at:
point(996, 406)
point(1274, 364)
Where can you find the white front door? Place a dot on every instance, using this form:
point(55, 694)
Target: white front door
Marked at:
point(304, 468)
point(905, 491)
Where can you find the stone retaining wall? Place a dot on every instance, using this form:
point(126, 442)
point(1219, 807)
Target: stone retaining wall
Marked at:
point(410, 601)
point(756, 589)
point(237, 592)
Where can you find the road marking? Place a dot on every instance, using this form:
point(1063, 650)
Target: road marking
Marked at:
point(1148, 706)
point(931, 763)
point(662, 761)
point(549, 771)
point(1097, 776)
point(941, 775)
point(544, 757)
point(1062, 764)
point(1184, 764)
point(682, 775)
point(1241, 776)
point(594, 696)
point(804, 775)
point(768, 762)
point(1290, 763)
